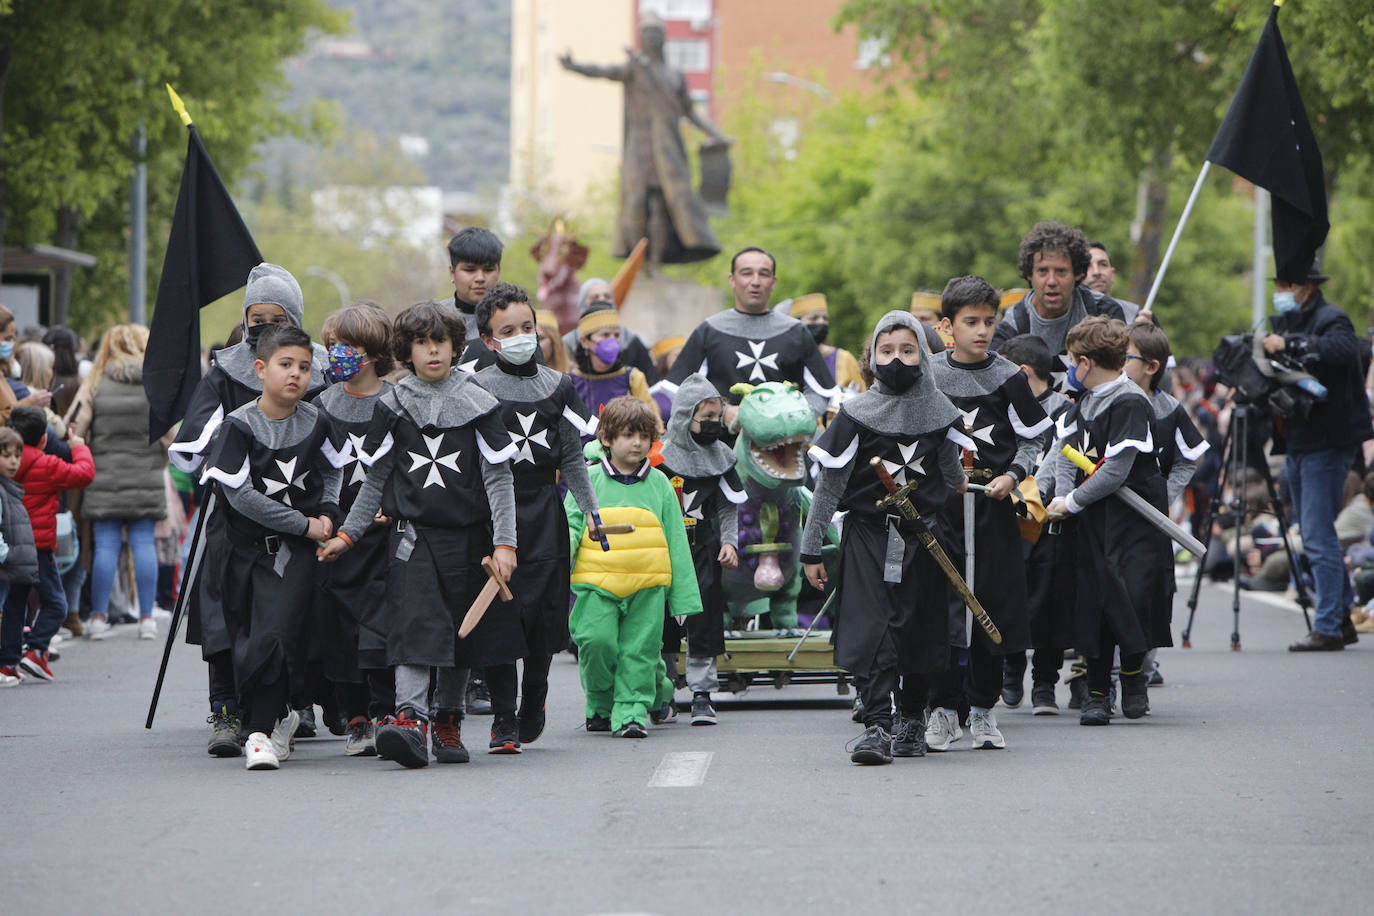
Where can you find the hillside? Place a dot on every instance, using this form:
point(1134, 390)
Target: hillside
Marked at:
point(427, 69)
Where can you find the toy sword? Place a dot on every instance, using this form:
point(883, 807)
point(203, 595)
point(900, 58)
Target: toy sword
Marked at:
point(495, 586)
point(1141, 506)
point(899, 498)
point(968, 541)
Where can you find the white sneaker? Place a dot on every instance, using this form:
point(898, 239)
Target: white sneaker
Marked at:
point(260, 753)
point(281, 735)
point(161, 613)
point(56, 639)
point(982, 729)
point(97, 628)
point(9, 680)
point(62, 633)
point(943, 729)
point(147, 628)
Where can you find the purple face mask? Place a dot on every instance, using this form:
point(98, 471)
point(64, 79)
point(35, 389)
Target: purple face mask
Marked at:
point(608, 350)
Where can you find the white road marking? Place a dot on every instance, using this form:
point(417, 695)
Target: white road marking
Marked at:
point(681, 768)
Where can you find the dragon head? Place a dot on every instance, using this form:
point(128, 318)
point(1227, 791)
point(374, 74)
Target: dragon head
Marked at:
point(775, 425)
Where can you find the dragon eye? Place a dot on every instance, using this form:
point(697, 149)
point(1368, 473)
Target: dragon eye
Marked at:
point(765, 396)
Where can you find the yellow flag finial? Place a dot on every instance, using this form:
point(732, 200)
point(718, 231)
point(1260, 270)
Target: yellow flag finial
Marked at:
point(179, 105)
point(1278, 2)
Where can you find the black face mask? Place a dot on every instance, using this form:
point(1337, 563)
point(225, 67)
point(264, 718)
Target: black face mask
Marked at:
point(897, 376)
point(819, 330)
point(711, 431)
point(254, 334)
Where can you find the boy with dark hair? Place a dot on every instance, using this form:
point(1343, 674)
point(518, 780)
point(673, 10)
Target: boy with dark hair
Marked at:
point(279, 477)
point(1049, 613)
point(617, 620)
point(350, 606)
point(271, 296)
point(1178, 443)
point(440, 473)
point(546, 419)
point(43, 478)
point(1124, 566)
point(702, 469)
point(474, 266)
point(1005, 421)
point(892, 598)
point(18, 555)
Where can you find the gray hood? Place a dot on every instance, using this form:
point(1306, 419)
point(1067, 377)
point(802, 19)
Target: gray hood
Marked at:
point(582, 293)
point(920, 409)
point(275, 285)
point(680, 450)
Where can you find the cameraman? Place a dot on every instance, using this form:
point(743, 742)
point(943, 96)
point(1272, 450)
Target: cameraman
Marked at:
point(1321, 447)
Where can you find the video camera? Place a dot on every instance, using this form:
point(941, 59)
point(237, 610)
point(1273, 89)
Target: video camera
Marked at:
point(1282, 380)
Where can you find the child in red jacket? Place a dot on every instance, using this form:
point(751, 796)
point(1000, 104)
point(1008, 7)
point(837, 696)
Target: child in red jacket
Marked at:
point(43, 478)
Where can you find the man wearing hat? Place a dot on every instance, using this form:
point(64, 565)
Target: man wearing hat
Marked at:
point(811, 310)
point(1321, 446)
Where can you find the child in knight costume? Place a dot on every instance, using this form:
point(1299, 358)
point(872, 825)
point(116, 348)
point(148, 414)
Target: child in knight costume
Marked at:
point(349, 599)
point(272, 296)
point(617, 620)
point(702, 469)
point(546, 420)
point(440, 473)
point(1178, 442)
point(1124, 568)
point(1049, 608)
point(279, 477)
point(1005, 421)
point(891, 459)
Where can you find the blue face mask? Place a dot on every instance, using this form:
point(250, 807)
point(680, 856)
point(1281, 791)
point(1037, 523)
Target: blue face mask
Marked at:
point(1072, 380)
point(1285, 303)
point(6, 349)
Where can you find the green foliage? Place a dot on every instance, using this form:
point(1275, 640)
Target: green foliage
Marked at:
point(86, 73)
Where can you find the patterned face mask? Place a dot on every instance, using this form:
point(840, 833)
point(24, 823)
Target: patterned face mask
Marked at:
point(344, 362)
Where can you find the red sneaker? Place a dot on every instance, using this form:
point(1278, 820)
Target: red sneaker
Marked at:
point(10, 675)
point(36, 663)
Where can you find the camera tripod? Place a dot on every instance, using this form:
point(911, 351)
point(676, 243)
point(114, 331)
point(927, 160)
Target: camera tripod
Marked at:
point(1235, 459)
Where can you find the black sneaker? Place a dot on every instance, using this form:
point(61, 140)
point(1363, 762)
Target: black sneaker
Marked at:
point(405, 739)
point(377, 727)
point(505, 734)
point(447, 737)
point(874, 748)
point(631, 730)
point(599, 723)
point(1096, 711)
point(1013, 689)
point(478, 697)
point(1042, 700)
point(531, 725)
point(665, 714)
point(1135, 695)
point(909, 737)
point(1078, 690)
point(307, 727)
point(224, 732)
point(1156, 679)
point(703, 713)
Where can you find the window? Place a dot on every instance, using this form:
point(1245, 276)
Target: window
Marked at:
point(692, 10)
point(690, 56)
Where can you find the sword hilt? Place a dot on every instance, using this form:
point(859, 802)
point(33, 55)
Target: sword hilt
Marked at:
point(600, 532)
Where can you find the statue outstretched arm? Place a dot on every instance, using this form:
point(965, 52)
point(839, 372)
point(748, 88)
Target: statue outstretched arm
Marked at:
point(619, 73)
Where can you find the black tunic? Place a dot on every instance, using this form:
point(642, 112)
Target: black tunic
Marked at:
point(703, 499)
point(264, 590)
point(881, 625)
point(1123, 566)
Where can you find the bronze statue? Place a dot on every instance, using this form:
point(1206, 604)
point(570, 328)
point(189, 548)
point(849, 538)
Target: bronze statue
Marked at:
point(656, 197)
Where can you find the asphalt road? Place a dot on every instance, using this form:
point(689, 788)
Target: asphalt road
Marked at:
point(1243, 792)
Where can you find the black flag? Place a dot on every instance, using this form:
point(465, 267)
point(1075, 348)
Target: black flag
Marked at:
point(1267, 140)
point(209, 254)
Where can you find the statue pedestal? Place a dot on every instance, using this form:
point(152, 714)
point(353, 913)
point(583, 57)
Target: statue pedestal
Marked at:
point(657, 308)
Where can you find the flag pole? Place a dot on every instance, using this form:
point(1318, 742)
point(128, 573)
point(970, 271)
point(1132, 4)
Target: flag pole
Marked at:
point(1178, 231)
point(1259, 257)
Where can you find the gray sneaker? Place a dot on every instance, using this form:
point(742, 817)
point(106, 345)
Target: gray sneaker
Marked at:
point(224, 733)
point(982, 729)
point(943, 729)
point(361, 738)
point(909, 737)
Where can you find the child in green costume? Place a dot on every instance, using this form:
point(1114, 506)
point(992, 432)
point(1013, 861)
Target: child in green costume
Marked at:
point(617, 618)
